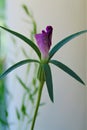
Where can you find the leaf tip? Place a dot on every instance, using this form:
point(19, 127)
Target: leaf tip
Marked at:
point(52, 100)
point(83, 83)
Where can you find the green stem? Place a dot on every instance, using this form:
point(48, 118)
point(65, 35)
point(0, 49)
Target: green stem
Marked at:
point(37, 104)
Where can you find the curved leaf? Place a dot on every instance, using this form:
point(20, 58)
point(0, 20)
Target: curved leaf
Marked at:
point(67, 70)
point(25, 39)
point(49, 83)
point(63, 42)
point(16, 66)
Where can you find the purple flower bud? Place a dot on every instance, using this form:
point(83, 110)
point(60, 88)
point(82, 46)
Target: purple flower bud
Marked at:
point(44, 41)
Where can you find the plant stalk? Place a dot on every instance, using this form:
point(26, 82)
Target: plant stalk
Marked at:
point(37, 104)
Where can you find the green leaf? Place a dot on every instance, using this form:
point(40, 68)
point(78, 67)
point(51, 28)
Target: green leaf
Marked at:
point(67, 70)
point(23, 109)
point(49, 83)
point(25, 39)
point(40, 75)
point(18, 114)
point(4, 122)
point(63, 42)
point(26, 9)
point(42, 104)
point(22, 83)
point(16, 66)
point(6, 113)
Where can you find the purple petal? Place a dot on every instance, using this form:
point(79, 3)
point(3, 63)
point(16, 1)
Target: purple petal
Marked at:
point(44, 41)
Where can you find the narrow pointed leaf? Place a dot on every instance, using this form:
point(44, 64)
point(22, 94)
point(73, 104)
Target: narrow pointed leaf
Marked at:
point(22, 83)
point(67, 70)
point(26, 9)
point(25, 39)
point(18, 114)
point(23, 109)
point(16, 66)
point(63, 42)
point(49, 83)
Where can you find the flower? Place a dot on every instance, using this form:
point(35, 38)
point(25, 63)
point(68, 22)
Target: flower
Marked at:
point(44, 41)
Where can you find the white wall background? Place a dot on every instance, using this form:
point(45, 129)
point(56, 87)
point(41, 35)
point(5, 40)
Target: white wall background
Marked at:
point(69, 110)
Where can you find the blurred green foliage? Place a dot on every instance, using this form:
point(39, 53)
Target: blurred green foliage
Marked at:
point(3, 106)
point(3, 111)
point(1, 81)
point(2, 8)
point(24, 113)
